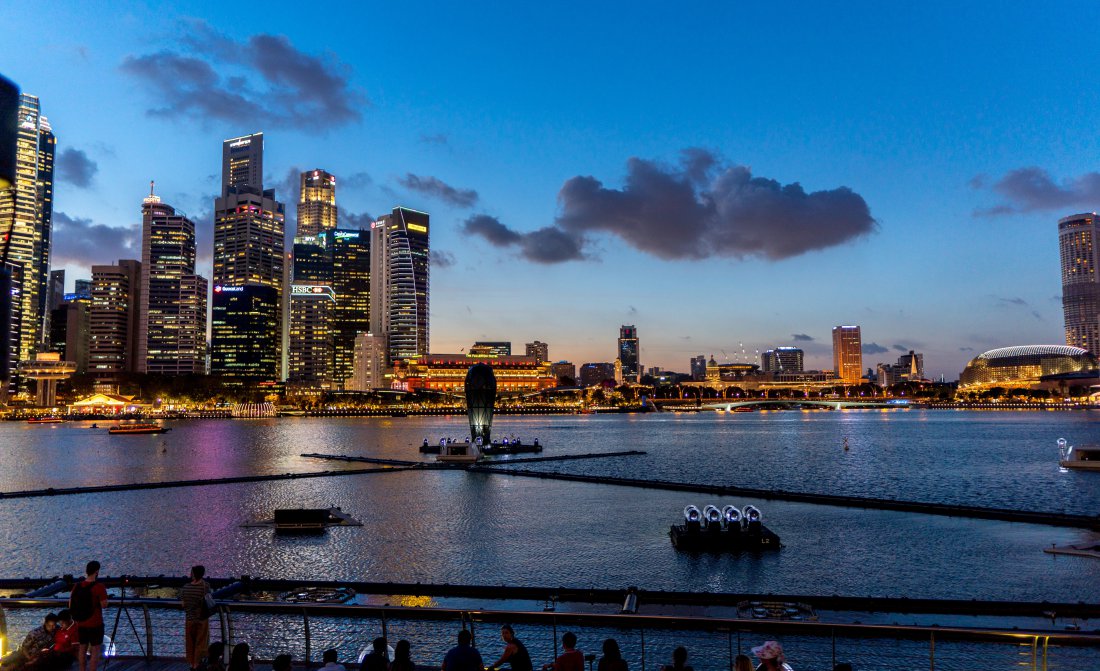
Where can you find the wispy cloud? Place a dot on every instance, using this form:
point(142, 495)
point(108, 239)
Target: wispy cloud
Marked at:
point(74, 167)
point(1033, 189)
point(442, 259)
point(545, 245)
point(873, 348)
point(80, 241)
point(802, 337)
point(437, 188)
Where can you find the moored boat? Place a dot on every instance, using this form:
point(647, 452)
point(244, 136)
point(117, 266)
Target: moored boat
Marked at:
point(45, 420)
point(1085, 457)
point(137, 429)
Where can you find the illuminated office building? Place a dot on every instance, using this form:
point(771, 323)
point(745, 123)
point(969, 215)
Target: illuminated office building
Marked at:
point(491, 348)
point(249, 259)
point(310, 355)
point(70, 326)
point(538, 349)
point(565, 372)
point(447, 373)
point(172, 317)
point(316, 203)
point(26, 210)
point(847, 354)
point(592, 374)
point(782, 359)
point(368, 367)
point(400, 282)
point(113, 320)
point(55, 289)
point(1077, 247)
point(628, 354)
point(698, 368)
point(243, 319)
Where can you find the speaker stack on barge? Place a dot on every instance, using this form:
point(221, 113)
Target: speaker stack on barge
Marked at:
point(725, 530)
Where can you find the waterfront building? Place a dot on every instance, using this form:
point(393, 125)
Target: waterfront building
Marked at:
point(400, 282)
point(310, 351)
point(248, 252)
point(243, 320)
point(628, 354)
point(1078, 246)
point(565, 372)
point(491, 348)
point(26, 210)
point(1030, 366)
point(447, 373)
point(70, 326)
point(698, 368)
point(316, 203)
point(730, 371)
point(786, 359)
point(368, 363)
point(912, 366)
point(172, 316)
point(592, 374)
point(113, 320)
point(847, 354)
point(538, 349)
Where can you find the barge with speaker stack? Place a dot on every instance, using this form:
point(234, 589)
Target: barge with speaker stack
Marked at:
point(725, 530)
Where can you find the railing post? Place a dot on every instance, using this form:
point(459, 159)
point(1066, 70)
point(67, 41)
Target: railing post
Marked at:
point(385, 632)
point(148, 633)
point(554, 633)
point(305, 621)
point(832, 634)
point(642, 631)
point(932, 650)
point(229, 629)
point(222, 627)
point(729, 642)
point(1046, 640)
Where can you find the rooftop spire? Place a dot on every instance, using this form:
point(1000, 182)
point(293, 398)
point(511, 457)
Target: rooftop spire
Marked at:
point(151, 198)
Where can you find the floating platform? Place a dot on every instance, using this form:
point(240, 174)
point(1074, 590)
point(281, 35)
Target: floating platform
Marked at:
point(789, 611)
point(137, 429)
point(491, 450)
point(1079, 550)
point(728, 530)
point(306, 520)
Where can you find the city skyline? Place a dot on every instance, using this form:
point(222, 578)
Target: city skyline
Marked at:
point(505, 191)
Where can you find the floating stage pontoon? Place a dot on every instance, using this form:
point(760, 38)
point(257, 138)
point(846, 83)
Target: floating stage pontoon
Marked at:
point(726, 530)
point(306, 520)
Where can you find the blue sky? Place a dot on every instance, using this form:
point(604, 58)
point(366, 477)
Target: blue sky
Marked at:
point(936, 146)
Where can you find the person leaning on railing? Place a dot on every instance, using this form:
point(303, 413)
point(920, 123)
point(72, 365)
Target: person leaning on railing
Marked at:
point(612, 659)
point(515, 652)
point(569, 660)
point(196, 599)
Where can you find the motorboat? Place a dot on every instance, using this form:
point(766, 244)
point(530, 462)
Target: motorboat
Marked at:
point(725, 530)
point(1086, 457)
point(45, 420)
point(137, 429)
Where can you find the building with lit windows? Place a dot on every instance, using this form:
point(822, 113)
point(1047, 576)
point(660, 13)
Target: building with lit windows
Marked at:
point(70, 332)
point(310, 355)
point(368, 363)
point(113, 320)
point(316, 203)
point(786, 359)
point(248, 252)
point(351, 280)
point(1030, 366)
point(172, 316)
point(243, 321)
point(447, 373)
point(538, 349)
point(400, 282)
point(698, 368)
point(26, 210)
point(628, 354)
point(847, 354)
point(1077, 249)
point(565, 372)
point(592, 374)
point(491, 348)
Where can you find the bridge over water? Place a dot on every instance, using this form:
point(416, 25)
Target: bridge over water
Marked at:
point(830, 403)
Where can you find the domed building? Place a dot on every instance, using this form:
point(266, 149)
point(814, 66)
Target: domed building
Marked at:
point(1030, 366)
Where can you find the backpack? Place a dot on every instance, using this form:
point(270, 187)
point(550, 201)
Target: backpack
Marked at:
point(81, 606)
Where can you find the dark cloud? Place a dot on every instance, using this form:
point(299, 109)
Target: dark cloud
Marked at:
point(442, 259)
point(631, 310)
point(348, 219)
point(545, 245)
point(1032, 189)
point(802, 337)
point(874, 348)
point(1011, 301)
point(74, 167)
point(900, 348)
point(706, 207)
point(356, 180)
point(81, 242)
point(437, 188)
point(437, 139)
point(262, 80)
point(966, 349)
point(1035, 313)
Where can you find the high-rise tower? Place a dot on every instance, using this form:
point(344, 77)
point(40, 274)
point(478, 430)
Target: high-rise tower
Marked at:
point(628, 353)
point(316, 203)
point(399, 287)
point(116, 294)
point(847, 354)
point(249, 256)
point(172, 319)
point(1077, 247)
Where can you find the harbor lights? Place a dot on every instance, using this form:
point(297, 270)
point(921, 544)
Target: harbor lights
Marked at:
point(481, 394)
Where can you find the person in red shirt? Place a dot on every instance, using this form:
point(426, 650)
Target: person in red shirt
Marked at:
point(86, 604)
point(64, 637)
point(570, 660)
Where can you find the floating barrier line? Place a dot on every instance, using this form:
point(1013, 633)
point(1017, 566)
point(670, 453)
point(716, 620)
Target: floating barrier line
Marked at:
point(427, 464)
point(945, 509)
point(97, 489)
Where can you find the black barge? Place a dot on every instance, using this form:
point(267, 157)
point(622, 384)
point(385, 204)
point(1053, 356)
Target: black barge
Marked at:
point(726, 530)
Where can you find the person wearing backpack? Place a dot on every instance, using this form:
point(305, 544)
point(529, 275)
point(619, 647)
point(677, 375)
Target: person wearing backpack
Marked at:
point(86, 604)
point(197, 609)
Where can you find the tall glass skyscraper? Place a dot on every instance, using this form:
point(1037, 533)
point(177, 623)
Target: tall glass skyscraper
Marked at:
point(848, 354)
point(172, 319)
point(628, 353)
point(26, 210)
point(316, 203)
point(1077, 249)
point(248, 254)
point(400, 282)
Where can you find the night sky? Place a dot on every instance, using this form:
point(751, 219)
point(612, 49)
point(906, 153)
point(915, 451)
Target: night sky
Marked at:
point(728, 176)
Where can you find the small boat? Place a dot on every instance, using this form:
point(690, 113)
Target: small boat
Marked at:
point(45, 420)
point(744, 408)
point(458, 453)
point(137, 429)
point(726, 530)
point(1085, 457)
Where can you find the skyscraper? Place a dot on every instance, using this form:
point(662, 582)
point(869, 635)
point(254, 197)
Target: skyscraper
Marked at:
point(628, 354)
point(847, 354)
point(26, 211)
point(316, 203)
point(782, 359)
point(116, 295)
point(55, 291)
point(400, 254)
point(698, 367)
point(1077, 247)
point(172, 317)
point(539, 350)
point(310, 355)
point(248, 257)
